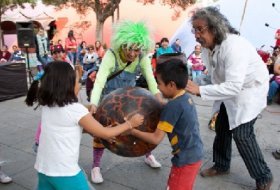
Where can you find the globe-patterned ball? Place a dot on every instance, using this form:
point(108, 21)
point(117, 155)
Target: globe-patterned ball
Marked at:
point(124, 102)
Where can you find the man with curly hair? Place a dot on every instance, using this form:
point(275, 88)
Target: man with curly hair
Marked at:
point(130, 44)
point(239, 85)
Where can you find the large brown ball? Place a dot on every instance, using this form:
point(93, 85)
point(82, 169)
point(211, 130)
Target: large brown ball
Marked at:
point(124, 102)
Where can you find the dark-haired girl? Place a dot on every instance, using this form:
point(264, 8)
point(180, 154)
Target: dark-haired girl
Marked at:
point(71, 47)
point(82, 50)
point(63, 120)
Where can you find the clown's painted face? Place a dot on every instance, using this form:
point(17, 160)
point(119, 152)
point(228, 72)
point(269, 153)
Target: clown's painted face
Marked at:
point(129, 54)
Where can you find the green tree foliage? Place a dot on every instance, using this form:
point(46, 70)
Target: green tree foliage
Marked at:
point(106, 8)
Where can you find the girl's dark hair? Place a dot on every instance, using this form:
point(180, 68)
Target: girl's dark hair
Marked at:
point(217, 23)
point(97, 41)
point(164, 40)
point(32, 93)
point(56, 86)
point(71, 35)
point(81, 44)
point(173, 70)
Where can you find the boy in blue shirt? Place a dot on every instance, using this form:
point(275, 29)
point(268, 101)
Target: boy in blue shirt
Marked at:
point(179, 120)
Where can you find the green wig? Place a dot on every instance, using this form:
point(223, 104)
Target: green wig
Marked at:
point(127, 34)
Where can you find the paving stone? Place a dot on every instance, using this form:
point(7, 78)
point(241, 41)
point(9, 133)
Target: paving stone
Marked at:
point(19, 123)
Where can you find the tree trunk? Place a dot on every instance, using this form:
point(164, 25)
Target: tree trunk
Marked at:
point(99, 30)
point(2, 37)
point(113, 18)
point(118, 13)
point(1, 32)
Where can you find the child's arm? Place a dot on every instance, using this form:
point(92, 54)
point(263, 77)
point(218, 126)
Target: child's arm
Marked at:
point(92, 126)
point(153, 138)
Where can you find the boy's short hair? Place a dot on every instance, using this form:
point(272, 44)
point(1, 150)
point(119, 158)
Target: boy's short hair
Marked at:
point(57, 85)
point(168, 56)
point(174, 70)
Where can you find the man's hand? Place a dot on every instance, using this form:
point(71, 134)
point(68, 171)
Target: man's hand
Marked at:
point(193, 88)
point(205, 72)
point(92, 109)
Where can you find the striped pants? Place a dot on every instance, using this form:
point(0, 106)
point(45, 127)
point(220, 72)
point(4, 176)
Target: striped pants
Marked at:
point(247, 146)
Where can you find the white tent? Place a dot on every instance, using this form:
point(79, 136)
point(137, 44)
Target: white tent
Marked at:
point(38, 13)
point(257, 13)
point(185, 36)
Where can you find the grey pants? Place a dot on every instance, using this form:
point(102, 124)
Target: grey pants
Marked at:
point(247, 146)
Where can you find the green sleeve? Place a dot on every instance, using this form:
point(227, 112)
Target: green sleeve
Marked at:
point(146, 69)
point(106, 68)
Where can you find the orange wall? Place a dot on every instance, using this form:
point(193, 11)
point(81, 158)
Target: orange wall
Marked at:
point(158, 17)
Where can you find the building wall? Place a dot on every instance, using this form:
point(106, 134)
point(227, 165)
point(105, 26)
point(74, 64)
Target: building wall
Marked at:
point(159, 18)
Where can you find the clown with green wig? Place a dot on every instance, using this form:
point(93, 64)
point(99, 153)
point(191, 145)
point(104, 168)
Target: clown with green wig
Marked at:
point(130, 44)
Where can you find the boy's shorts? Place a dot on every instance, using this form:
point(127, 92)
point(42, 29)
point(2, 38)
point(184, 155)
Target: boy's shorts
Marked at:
point(183, 178)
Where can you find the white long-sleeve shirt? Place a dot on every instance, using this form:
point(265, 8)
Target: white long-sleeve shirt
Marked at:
point(239, 79)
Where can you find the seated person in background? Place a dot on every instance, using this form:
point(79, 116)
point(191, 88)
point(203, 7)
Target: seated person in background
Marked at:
point(51, 46)
point(275, 82)
point(59, 44)
point(90, 76)
point(277, 38)
point(154, 57)
point(271, 60)
point(90, 58)
point(59, 54)
point(81, 51)
point(176, 46)
point(5, 55)
point(165, 48)
point(90, 67)
point(100, 51)
point(270, 64)
point(18, 56)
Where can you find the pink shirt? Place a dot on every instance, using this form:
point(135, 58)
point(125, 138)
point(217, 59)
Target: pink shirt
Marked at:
point(196, 61)
point(70, 45)
point(277, 40)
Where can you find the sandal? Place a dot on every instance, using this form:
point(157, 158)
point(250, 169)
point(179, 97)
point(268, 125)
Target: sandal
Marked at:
point(212, 121)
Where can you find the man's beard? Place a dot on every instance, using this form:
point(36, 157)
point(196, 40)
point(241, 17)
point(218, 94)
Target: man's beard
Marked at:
point(201, 41)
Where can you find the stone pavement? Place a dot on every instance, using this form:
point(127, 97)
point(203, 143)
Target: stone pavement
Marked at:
point(19, 122)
